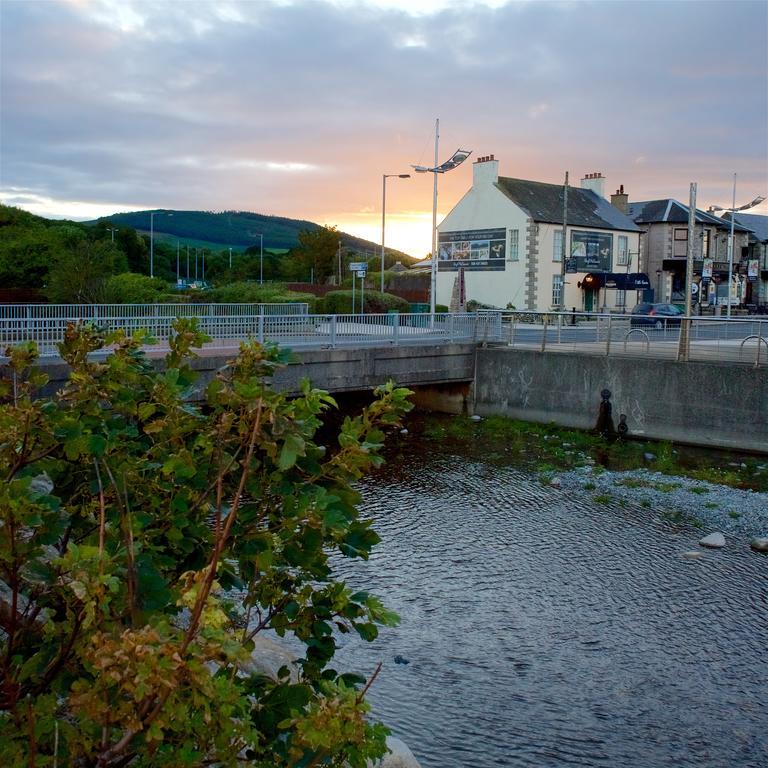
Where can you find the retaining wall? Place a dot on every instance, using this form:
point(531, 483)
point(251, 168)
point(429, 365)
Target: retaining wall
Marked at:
point(710, 404)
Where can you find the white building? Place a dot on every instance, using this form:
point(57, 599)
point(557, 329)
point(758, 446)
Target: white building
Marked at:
point(507, 235)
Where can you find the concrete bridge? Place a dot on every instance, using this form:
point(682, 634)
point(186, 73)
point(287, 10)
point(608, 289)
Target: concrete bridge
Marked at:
point(454, 368)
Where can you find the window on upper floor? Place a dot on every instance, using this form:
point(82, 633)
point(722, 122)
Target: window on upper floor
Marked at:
point(623, 251)
point(680, 246)
point(514, 244)
point(557, 245)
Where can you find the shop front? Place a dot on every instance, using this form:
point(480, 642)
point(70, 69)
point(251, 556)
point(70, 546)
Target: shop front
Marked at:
point(615, 289)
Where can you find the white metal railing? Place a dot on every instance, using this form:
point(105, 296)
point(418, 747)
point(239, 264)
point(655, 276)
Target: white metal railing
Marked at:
point(110, 311)
point(291, 330)
point(741, 340)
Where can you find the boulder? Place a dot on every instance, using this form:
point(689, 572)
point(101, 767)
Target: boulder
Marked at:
point(715, 540)
point(759, 544)
point(399, 756)
point(556, 482)
point(267, 657)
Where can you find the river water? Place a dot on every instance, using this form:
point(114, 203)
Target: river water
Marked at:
point(543, 629)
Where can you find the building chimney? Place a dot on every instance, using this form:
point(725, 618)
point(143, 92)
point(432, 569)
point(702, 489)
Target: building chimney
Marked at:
point(594, 182)
point(620, 200)
point(485, 171)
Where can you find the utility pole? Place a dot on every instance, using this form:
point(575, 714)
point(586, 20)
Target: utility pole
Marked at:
point(684, 349)
point(565, 238)
point(433, 281)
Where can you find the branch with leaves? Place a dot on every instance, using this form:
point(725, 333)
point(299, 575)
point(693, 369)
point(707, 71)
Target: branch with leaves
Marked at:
point(146, 539)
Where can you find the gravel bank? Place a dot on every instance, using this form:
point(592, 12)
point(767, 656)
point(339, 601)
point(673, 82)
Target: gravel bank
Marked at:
point(718, 507)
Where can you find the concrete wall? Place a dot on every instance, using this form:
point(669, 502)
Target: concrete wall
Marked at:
point(712, 404)
point(338, 370)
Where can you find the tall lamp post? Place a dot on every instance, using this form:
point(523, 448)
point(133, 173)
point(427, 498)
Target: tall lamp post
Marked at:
point(384, 178)
point(113, 230)
point(261, 259)
point(152, 239)
point(733, 210)
point(458, 157)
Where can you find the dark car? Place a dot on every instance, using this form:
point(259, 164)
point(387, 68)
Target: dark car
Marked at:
point(658, 315)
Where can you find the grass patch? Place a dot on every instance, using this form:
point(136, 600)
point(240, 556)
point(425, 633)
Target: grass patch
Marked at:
point(632, 482)
point(602, 498)
point(699, 489)
point(589, 486)
point(547, 448)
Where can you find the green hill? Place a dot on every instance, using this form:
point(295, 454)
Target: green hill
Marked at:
point(235, 229)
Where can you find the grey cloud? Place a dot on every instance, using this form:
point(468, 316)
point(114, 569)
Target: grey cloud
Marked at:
point(92, 112)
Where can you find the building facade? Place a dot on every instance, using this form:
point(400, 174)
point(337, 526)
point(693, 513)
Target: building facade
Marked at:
point(505, 236)
point(756, 266)
point(664, 252)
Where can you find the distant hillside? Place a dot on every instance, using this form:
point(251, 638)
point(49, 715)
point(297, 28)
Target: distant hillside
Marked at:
point(236, 229)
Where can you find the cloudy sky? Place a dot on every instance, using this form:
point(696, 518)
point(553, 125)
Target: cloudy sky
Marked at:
point(297, 107)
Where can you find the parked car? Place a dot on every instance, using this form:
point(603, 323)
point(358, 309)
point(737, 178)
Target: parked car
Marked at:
point(658, 315)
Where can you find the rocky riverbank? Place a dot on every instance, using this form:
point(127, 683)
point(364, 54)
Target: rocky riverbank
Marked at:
point(709, 506)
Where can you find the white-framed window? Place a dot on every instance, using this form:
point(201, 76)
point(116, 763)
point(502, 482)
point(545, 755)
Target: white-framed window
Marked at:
point(623, 251)
point(514, 244)
point(557, 290)
point(557, 245)
point(621, 298)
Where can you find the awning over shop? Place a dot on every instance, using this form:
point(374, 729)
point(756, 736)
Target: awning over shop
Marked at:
point(634, 281)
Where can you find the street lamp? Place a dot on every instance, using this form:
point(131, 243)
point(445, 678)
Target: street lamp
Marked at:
point(113, 230)
point(261, 259)
point(384, 178)
point(733, 210)
point(458, 157)
point(152, 239)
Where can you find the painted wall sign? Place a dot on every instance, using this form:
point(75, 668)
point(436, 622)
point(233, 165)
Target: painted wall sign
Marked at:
point(593, 251)
point(472, 249)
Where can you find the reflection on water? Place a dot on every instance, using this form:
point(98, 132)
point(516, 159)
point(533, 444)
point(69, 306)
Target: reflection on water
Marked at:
point(544, 630)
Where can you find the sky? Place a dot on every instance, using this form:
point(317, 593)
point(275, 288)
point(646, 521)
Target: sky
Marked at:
point(298, 107)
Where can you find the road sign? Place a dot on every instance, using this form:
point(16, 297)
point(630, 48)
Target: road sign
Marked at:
point(361, 274)
point(358, 266)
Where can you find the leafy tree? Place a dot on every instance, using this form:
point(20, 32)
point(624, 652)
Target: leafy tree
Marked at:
point(80, 274)
point(316, 254)
point(145, 541)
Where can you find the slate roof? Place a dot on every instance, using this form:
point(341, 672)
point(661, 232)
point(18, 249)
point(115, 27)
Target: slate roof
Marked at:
point(755, 223)
point(671, 211)
point(544, 203)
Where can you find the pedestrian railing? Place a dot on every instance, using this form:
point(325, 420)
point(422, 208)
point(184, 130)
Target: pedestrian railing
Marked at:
point(741, 340)
point(296, 330)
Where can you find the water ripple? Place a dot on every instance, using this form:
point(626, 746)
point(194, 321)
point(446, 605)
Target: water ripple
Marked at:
point(543, 629)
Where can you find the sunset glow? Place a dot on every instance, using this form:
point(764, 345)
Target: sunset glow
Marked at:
point(110, 106)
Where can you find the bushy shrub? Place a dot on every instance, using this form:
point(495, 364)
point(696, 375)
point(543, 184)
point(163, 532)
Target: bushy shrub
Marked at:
point(129, 519)
point(340, 302)
point(254, 293)
point(132, 288)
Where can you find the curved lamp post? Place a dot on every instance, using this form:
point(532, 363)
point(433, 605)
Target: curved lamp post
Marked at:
point(733, 210)
point(458, 157)
point(384, 178)
point(152, 239)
